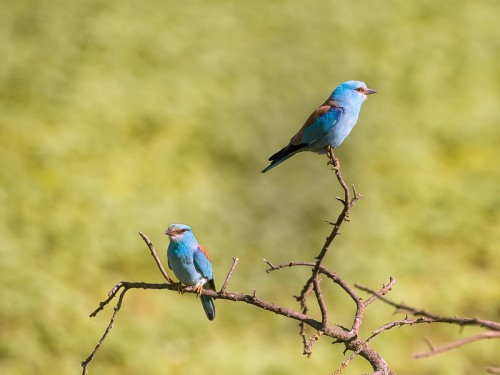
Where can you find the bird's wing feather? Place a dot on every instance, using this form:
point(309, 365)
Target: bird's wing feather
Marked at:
point(320, 122)
point(202, 262)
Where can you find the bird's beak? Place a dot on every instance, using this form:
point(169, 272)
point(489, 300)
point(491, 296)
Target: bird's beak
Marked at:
point(168, 232)
point(370, 91)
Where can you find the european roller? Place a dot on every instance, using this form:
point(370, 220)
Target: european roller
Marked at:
point(190, 263)
point(329, 124)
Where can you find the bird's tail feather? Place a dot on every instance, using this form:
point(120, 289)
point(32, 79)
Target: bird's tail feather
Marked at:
point(276, 162)
point(282, 155)
point(209, 306)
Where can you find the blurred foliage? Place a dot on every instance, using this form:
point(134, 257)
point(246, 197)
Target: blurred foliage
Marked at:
point(120, 116)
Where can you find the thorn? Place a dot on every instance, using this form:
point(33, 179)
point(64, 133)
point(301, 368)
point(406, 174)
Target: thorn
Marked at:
point(429, 343)
point(329, 222)
point(254, 293)
point(344, 328)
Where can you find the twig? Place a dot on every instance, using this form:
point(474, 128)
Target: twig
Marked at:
point(131, 285)
point(429, 343)
point(344, 364)
point(461, 321)
point(457, 344)
point(312, 340)
point(395, 323)
point(381, 292)
point(155, 256)
point(360, 304)
point(321, 301)
point(229, 274)
point(89, 359)
point(347, 203)
point(302, 299)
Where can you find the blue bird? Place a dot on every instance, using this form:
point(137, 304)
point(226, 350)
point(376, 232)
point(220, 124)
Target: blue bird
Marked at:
point(329, 124)
point(191, 264)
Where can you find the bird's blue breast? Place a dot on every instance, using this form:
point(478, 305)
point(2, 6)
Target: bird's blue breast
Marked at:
point(341, 130)
point(180, 259)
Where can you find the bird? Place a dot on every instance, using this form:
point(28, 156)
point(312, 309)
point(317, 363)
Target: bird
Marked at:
point(329, 124)
point(191, 264)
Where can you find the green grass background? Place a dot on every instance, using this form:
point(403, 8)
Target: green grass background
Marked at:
point(120, 116)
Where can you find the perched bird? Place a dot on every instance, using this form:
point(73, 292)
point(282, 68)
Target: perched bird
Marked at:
point(191, 263)
point(329, 124)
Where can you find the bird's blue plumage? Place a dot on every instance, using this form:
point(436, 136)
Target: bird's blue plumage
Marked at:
point(190, 263)
point(202, 264)
point(321, 126)
point(329, 124)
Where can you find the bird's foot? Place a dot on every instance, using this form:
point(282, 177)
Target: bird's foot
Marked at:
point(177, 286)
point(334, 166)
point(199, 287)
point(333, 160)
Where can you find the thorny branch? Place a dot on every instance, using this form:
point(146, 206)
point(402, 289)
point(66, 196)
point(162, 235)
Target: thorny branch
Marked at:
point(349, 337)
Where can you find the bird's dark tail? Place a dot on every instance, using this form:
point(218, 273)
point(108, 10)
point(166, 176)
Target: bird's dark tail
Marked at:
point(209, 306)
point(282, 155)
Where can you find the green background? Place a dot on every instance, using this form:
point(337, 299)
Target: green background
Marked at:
point(120, 116)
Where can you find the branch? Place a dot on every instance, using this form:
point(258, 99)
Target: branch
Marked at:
point(427, 317)
point(349, 337)
point(381, 292)
point(155, 256)
point(89, 359)
point(457, 344)
point(321, 301)
point(229, 274)
point(461, 321)
point(344, 214)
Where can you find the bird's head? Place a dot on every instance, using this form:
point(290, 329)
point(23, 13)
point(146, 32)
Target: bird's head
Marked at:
point(176, 232)
point(351, 93)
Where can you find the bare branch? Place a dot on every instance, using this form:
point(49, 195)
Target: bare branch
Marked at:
point(349, 337)
point(395, 323)
point(457, 344)
point(461, 321)
point(346, 202)
point(302, 299)
point(89, 359)
point(155, 256)
point(321, 301)
point(344, 364)
point(229, 274)
point(312, 340)
point(381, 292)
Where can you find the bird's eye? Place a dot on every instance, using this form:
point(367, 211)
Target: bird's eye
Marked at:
point(183, 230)
point(360, 89)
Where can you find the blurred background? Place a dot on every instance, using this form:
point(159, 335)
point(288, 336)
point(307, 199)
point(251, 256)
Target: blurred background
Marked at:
point(126, 116)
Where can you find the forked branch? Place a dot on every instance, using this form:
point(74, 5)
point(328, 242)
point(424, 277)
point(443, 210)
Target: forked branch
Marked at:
point(350, 337)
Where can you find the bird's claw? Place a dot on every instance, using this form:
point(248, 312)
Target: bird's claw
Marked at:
point(177, 286)
point(197, 289)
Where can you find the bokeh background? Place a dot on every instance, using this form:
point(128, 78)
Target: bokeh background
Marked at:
point(120, 116)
